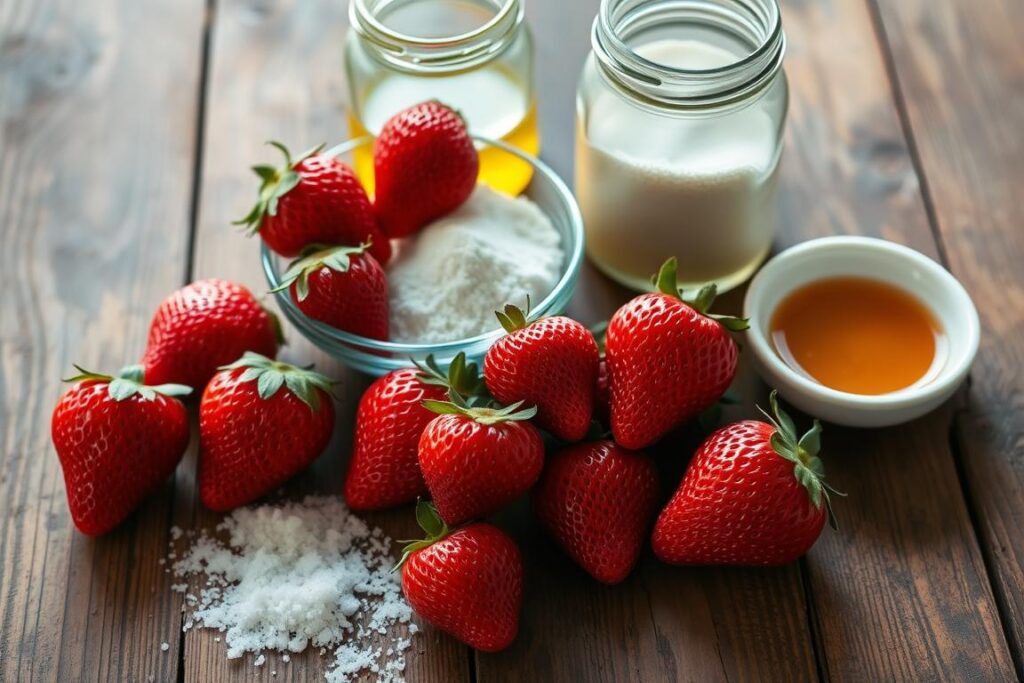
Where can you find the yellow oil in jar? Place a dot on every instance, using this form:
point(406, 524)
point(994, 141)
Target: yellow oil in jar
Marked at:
point(493, 102)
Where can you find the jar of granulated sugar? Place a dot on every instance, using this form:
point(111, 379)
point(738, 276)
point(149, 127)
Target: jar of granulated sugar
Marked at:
point(680, 114)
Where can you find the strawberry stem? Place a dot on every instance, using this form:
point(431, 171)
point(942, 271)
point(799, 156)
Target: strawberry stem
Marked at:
point(463, 378)
point(313, 258)
point(485, 415)
point(803, 453)
point(433, 526)
point(512, 318)
point(274, 184)
point(271, 375)
point(129, 383)
point(667, 282)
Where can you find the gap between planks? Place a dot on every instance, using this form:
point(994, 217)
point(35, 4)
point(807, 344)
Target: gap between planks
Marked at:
point(209, 20)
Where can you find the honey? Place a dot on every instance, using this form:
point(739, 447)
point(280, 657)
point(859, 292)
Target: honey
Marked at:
point(858, 335)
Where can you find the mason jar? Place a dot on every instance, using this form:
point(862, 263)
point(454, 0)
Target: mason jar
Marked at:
point(680, 114)
point(473, 55)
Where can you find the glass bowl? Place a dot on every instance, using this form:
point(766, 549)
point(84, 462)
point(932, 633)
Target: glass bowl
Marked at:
point(375, 357)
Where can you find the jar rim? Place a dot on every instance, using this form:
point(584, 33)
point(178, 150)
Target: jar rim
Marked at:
point(666, 85)
point(461, 49)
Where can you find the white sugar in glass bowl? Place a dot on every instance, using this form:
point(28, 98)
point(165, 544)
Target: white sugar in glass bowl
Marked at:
point(376, 357)
point(878, 260)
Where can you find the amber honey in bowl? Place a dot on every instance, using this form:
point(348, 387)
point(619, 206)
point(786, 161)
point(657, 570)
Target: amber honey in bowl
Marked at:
point(858, 335)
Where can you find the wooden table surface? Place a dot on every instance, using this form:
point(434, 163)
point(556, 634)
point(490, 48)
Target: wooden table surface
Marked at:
point(126, 132)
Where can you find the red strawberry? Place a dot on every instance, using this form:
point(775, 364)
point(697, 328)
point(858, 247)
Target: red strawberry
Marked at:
point(753, 495)
point(344, 287)
point(315, 199)
point(668, 360)
point(117, 440)
point(477, 460)
point(602, 395)
point(385, 470)
point(597, 500)
point(425, 166)
point(260, 422)
point(551, 363)
point(203, 326)
point(468, 582)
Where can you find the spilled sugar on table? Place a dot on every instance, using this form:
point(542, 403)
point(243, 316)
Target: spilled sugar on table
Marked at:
point(126, 131)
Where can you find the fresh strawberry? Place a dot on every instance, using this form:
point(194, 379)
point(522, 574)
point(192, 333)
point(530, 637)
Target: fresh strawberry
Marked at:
point(668, 360)
point(425, 166)
point(752, 495)
point(597, 500)
point(315, 199)
point(476, 460)
point(602, 395)
point(260, 422)
point(551, 363)
point(385, 470)
point(203, 326)
point(117, 440)
point(468, 582)
point(344, 287)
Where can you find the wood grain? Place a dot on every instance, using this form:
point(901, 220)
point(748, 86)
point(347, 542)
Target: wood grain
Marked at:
point(97, 123)
point(960, 72)
point(98, 115)
point(900, 593)
point(276, 74)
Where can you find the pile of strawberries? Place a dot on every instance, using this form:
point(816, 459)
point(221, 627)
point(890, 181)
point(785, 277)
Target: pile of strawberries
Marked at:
point(261, 421)
point(471, 442)
point(753, 493)
point(315, 209)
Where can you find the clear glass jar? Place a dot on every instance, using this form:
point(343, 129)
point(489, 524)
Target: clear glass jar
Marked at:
point(680, 114)
point(473, 55)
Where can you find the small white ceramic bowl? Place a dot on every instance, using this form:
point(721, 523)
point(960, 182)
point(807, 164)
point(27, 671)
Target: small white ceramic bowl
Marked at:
point(876, 259)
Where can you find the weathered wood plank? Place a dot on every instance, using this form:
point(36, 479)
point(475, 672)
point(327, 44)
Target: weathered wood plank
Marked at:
point(97, 126)
point(960, 71)
point(276, 74)
point(901, 592)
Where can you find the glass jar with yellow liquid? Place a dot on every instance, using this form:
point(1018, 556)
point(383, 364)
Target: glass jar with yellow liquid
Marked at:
point(473, 55)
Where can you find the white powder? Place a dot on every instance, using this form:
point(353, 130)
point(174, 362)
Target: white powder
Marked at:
point(700, 188)
point(446, 282)
point(296, 575)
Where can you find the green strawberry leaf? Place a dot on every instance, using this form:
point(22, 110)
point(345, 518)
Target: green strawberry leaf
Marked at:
point(808, 468)
point(313, 258)
point(429, 520)
point(268, 383)
point(121, 388)
point(275, 183)
point(171, 389)
point(270, 375)
point(462, 377)
point(133, 373)
point(486, 415)
point(431, 523)
point(665, 280)
point(513, 318)
point(128, 383)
